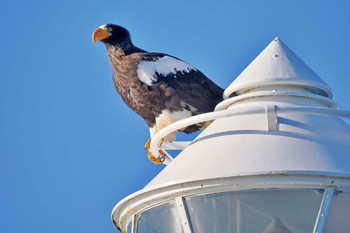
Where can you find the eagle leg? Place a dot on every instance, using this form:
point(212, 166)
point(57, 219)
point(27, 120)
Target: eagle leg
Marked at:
point(151, 157)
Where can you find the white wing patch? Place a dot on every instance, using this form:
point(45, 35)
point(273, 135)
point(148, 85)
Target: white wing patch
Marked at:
point(147, 69)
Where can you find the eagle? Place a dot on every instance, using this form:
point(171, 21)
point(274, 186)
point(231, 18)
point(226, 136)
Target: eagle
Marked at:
point(161, 88)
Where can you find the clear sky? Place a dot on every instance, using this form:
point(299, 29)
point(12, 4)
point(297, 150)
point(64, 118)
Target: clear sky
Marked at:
point(69, 147)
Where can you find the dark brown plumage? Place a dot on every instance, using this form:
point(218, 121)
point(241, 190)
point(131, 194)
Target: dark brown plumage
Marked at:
point(160, 88)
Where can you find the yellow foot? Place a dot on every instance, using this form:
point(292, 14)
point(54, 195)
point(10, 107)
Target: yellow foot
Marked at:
point(150, 156)
point(160, 159)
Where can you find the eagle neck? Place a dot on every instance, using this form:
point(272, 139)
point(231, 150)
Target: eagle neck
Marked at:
point(124, 48)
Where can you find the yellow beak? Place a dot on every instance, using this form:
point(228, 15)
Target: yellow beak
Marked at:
point(100, 34)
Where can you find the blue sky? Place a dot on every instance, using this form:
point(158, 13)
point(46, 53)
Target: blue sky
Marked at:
point(69, 147)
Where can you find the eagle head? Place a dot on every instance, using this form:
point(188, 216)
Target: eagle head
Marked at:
point(112, 34)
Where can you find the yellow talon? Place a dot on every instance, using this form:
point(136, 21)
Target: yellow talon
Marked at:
point(150, 156)
point(160, 160)
point(147, 145)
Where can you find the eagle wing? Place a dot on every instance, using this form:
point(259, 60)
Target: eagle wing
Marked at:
point(181, 81)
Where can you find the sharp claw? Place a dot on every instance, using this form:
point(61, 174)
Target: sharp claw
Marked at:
point(150, 156)
point(159, 160)
point(147, 146)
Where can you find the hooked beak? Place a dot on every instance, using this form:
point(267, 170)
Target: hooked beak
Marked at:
point(100, 34)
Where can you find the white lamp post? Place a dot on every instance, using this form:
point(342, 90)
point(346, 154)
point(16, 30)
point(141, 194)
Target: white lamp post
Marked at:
point(276, 159)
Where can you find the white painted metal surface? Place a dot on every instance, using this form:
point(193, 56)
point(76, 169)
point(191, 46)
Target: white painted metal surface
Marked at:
point(183, 215)
point(271, 115)
point(249, 144)
point(277, 65)
point(243, 145)
point(280, 129)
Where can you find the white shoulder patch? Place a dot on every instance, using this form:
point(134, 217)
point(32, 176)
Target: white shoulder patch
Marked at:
point(147, 69)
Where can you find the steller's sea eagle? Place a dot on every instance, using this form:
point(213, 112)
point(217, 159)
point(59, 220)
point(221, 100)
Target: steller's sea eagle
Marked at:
point(160, 88)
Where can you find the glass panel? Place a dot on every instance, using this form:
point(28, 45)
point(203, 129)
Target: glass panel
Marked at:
point(160, 219)
point(267, 211)
point(339, 214)
point(129, 227)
